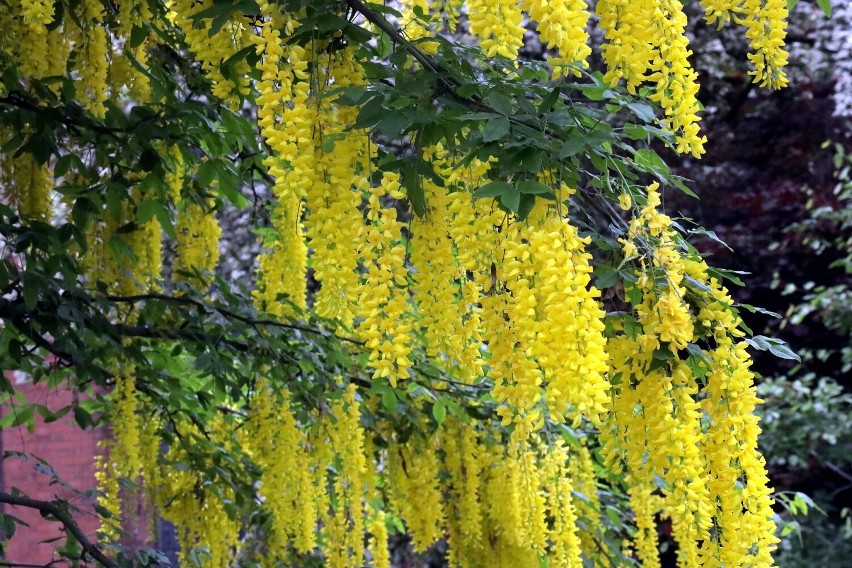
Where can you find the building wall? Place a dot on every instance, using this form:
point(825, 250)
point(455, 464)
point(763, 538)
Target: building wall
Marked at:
point(69, 451)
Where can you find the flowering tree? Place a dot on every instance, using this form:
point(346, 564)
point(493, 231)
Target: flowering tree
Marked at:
point(471, 319)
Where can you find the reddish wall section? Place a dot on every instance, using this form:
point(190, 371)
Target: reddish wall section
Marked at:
point(69, 451)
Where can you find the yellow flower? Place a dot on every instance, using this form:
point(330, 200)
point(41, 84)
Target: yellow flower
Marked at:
point(562, 25)
point(497, 24)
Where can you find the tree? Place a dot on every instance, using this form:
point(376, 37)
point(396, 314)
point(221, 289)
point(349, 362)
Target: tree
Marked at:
point(471, 320)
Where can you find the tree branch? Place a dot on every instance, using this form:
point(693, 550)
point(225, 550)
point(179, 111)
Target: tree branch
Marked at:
point(396, 37)
point(227, 313)
point(56, 510)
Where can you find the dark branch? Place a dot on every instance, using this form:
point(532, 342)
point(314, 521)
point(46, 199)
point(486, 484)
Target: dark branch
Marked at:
point(227, 313)
point(57, 511)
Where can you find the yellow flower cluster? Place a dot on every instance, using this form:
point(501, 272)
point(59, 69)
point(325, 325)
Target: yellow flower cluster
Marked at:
point(766, 30)
point(92, 62)
point(689, 453)
point(347, 523)
point(562, 25)
point(26, 40)
point(544, 326)
point(765, 23)
point(508, 315)
point(197, 240)
point(416, 28)
point(463, 463)
point(569, 344)
point(415, 492)
point(497, 24)
point(379, 541)
point(581, 471)
point(286, 481)
point(664, 313)
point(211, 50)
point(383, 297)
point(26, 185)
point(333, 222)
point(739, 482)
point(37, 13)
point(645, 505)
point(286, 122)
point(282, 268)
point(121, 459)
point(440, 284)
point(563, 534)
point(110, 493)
point(645, 41)
point(204, 527)
point(131, 13)
point(197, 231)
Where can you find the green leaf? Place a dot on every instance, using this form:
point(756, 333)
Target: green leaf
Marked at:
point(439, 411)
point(825, 6)
point(147, 210)
point(394, 123)
point(493, 189)
point(495, 129)
point(389, 399)
point(635, 131)
point(774, 346)
point(138, 35)
point(650, 161)
point(525, 206)
point(500, 102)
point(371, 113)
point(782, 351)
point(614, 517)
point(64, 163)
point(642, 110)
point(533, 187)
point(414, 189)
point(548, 101)
point(82, 418)
point(511, 200)
point(605, 276)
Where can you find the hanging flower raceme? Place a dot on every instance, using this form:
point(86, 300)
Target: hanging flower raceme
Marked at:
point(685, 447)
point(562, 25)
point(569, 343)
point(26, 185)
point(664, 313)
point(92, 57)
point(508, 313)
point(765, 23)
point(497, 24)
point(415, 494)
point(197, 231)
point(346, 525)
point(213, 47)
point(645, 41)
point(286, 484)
point(286, 124)
point(205, 528)
point(463, 462)
point(383, 304)
point(561, 507)
point(334, 225)
point(415, 27)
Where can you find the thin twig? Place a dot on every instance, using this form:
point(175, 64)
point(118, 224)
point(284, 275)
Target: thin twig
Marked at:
point(228, 313)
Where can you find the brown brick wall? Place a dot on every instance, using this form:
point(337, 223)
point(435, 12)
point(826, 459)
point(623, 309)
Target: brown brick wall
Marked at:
point(69, 451)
